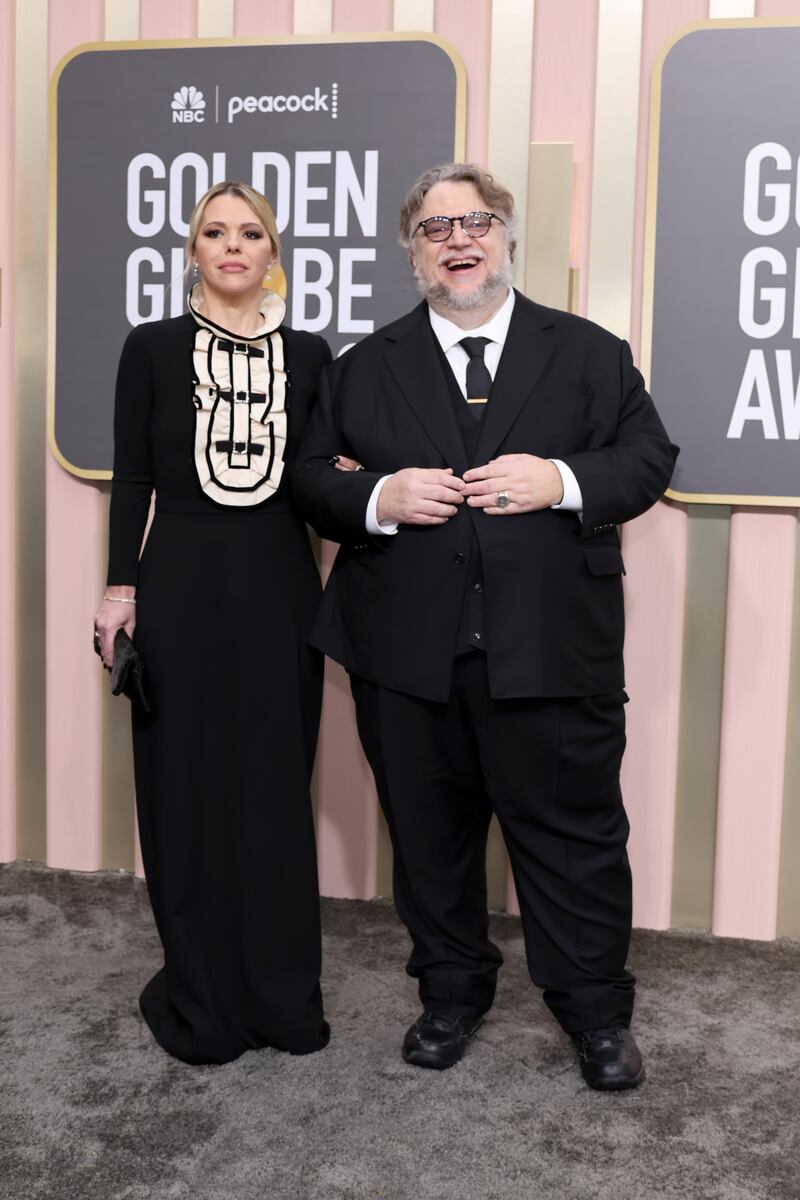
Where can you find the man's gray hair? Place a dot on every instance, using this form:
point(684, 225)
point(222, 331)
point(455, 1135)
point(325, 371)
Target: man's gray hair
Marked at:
point(496, 198)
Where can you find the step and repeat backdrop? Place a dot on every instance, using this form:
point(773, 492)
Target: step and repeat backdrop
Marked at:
point(333, 107)
point(726, 304)
point(333, 134)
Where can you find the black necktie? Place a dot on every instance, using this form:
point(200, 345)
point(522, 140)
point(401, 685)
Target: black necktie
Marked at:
point(479, 381)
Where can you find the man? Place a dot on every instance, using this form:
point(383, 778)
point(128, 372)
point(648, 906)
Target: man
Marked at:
point(476, 601)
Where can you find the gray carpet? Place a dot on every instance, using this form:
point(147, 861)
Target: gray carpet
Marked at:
point(91, 1108)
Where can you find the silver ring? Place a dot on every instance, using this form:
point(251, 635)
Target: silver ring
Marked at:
point(503, 499)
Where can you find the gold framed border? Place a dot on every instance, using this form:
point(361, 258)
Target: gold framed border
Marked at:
point(651, 208)
point(459, 146)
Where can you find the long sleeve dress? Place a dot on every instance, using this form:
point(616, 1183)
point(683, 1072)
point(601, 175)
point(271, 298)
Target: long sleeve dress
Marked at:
point(226, 590)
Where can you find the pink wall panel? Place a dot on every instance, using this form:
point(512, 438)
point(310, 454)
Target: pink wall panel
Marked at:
point(178, 19)
point(562, 104)
point(467, 25)
point(655, 554)
point(254, 18)
point(754, 707)
point(654, 548)
point(362, 16)
point(174, 19)
point(778, 8)
point(74, 515)
point(8, 698)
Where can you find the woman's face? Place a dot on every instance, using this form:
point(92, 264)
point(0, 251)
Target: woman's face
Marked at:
point(233, 249)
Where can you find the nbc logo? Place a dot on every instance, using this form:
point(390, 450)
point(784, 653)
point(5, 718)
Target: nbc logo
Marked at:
point(188, 105)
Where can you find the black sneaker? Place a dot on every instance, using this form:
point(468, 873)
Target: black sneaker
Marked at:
point(610, 1059)
point(438, 1042)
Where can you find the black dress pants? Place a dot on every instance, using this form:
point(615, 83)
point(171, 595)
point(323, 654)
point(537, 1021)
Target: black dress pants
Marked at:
point(549, 769)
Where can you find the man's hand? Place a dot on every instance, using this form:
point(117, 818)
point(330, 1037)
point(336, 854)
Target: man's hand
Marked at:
point(420, 496)
point(530, 482)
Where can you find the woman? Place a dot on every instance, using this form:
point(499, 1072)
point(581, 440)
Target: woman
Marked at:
point(209, 409)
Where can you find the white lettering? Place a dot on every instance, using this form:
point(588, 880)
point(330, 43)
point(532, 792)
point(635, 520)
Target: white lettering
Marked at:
point(177, 284)
point(319, 288)
point(280, 194)
point(347, 187)
point(136, 290)
point(754, 380)
point(189, 161)
point(773, 297)
point(316, 102)
point(778, 193)
point(304, 194)
point(139, 225)
point(789, 394)
point(348, 291)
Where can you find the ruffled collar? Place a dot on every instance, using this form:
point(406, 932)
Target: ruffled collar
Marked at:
point(272, 310)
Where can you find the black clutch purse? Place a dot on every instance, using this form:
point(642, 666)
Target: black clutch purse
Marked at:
point(128, 676)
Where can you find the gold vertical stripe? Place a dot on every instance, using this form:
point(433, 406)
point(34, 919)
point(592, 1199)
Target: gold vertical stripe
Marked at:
point(215, 18)
point(118, 793)
point(789, 885)
point(549, 220)
point(30, 303)
point(509, 133)
point(619, 37)
point(700, 715)
point(510, 77)
point(121, 20)
point(413, 14)
point(313, 16)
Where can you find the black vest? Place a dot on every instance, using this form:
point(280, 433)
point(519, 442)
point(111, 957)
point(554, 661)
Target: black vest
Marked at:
point(472, 625)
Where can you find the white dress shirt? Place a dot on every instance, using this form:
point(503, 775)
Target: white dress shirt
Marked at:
point(449, 336)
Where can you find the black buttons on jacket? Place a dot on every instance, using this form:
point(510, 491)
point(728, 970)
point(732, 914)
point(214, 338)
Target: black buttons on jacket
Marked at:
point(477, 587)
point(477, 638)
point(459, 558)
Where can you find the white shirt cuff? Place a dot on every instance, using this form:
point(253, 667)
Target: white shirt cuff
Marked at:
point(372, 523)
point(572, 500)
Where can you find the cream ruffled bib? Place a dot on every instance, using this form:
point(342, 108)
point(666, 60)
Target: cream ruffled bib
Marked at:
point(240, 390)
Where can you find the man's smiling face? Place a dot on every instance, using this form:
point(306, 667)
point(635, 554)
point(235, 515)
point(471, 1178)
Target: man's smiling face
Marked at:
point(462, 273)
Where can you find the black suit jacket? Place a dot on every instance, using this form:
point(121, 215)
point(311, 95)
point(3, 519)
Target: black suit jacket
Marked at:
point(566, 389)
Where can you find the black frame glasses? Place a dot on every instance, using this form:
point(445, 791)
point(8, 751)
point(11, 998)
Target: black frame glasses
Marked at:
point(447, 232)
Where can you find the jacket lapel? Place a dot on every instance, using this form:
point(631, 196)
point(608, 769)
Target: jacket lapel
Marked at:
point(413, 361)
point(526, 353)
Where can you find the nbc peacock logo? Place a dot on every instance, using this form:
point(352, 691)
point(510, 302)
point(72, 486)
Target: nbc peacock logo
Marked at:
point(188, 106)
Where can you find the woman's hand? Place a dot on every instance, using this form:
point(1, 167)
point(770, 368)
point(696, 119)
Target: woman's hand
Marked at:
point(343, 463)
point(114, 614)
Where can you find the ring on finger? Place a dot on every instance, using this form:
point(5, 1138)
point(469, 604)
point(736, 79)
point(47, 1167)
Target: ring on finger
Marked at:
point(503, 500)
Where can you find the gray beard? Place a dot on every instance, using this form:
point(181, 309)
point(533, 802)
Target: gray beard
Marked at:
point(440, 295)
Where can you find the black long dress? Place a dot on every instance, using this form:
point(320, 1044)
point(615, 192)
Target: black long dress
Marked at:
point(226, 595)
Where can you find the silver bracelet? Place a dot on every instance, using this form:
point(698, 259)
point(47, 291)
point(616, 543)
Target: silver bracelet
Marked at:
point(120, 599)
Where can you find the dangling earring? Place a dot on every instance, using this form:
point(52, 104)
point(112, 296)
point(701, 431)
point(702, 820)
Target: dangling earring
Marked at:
point(195, 271)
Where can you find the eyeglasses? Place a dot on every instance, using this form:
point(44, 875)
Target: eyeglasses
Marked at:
point(473, 224)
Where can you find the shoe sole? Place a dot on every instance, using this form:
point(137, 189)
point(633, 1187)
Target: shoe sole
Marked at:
point(418, 1058)
point(618, 1085)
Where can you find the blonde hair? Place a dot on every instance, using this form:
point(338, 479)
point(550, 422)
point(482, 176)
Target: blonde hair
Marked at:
point(259, 204)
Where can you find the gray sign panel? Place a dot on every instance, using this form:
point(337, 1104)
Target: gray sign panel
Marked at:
point(332, 132)
point(725, 364)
